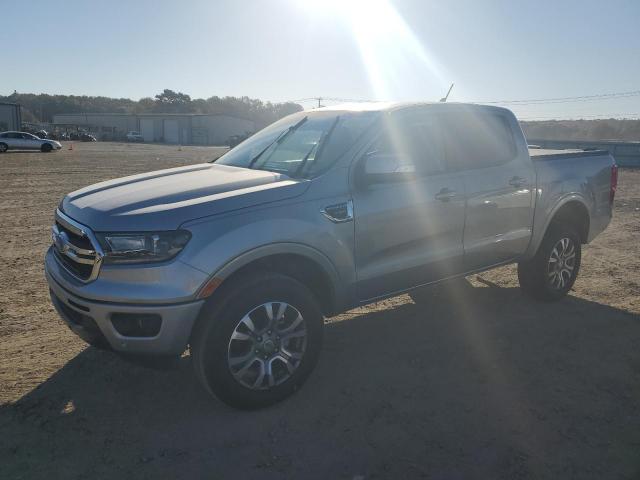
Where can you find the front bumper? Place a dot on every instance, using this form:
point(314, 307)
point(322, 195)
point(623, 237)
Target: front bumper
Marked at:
point(91, 320)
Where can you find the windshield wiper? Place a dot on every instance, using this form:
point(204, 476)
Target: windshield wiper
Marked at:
point(278, 140)
point(317, 145)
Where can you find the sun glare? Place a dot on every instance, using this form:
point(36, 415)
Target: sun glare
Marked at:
point(389, 49)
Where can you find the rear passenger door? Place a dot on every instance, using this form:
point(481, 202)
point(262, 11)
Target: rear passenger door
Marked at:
point(499, 181)
point(409, 232)
point(14, 140)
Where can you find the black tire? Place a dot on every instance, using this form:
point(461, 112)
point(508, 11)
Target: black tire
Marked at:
point(222, 316)
point(46, 148)
point(3, 147)
point(539, 276)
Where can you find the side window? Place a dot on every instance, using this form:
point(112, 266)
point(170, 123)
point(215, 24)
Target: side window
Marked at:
point(416, 140)
point(14, 135)
point(477, 140)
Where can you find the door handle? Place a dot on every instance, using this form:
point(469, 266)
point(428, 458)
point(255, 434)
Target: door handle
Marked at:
point(445, 195)
point(517, 182)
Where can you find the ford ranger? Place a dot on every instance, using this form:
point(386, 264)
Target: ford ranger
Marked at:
point(239, 260)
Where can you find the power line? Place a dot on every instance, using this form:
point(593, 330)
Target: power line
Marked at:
point(530, 101)
point(617, 116)
point(581, 98)
point(330, 99)
point(523, 102)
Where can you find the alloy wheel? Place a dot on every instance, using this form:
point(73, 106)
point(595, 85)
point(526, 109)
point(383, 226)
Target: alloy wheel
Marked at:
point(267, 345)
point(562, 262)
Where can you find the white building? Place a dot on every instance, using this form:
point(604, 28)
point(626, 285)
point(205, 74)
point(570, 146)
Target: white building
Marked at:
point(10, 117)
point(185, 129)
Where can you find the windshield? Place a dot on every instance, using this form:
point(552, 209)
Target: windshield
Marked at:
point(302, 145)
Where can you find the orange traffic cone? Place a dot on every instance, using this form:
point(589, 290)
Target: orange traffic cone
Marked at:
point(71, 146)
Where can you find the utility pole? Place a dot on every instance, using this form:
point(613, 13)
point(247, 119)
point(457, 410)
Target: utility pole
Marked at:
point(319, 100)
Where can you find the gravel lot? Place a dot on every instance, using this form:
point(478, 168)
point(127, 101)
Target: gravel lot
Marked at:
point(484, 383)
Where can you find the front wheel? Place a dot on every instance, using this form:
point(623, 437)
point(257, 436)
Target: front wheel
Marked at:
point(256, 344)
point(552, 272)
point(3, 147)
point(46, 148)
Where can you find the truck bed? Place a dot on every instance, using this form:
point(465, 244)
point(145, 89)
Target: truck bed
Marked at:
point(581, 173)
point(547, 153)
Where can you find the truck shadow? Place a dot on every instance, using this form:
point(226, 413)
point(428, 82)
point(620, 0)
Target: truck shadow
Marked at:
point(476, 381)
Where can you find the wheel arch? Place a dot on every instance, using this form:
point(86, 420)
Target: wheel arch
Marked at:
point(572, 211)
point(306, 264)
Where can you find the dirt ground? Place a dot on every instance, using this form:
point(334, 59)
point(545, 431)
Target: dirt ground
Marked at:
point(484, 383)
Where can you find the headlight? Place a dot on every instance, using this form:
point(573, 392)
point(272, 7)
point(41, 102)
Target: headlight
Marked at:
point(142, 247)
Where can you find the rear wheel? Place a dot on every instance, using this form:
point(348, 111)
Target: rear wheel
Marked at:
point(256, 344)
point(3, 147)
point(552, 272)
point(46, 147)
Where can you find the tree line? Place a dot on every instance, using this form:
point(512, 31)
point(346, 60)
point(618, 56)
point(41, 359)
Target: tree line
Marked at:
point(42, 107)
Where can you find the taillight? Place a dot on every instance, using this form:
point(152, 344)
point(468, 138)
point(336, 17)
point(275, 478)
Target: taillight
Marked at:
point(614, 182)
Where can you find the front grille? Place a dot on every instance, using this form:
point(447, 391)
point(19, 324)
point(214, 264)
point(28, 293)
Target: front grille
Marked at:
point(75, 248)
point(79, 270)
point(78, 240)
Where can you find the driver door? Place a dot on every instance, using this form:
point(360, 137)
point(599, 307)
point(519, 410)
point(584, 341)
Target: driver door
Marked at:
point(408, 232)
point(30, 142)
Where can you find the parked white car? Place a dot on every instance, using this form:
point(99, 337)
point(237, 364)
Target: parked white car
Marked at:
point(135, 137)
point(26, 141)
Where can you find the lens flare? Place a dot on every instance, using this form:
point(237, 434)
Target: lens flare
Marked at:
point(392, 55)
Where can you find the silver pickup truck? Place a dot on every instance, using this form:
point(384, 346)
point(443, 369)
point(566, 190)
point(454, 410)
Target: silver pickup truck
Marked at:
point(240, 259)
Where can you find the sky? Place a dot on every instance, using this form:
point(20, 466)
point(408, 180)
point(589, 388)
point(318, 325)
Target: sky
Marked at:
point(282, 50)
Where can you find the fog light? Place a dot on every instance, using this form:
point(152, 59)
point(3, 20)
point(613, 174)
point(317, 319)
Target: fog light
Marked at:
point(136, 324)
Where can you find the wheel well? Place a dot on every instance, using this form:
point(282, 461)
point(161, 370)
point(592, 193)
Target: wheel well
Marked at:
point(303, 269)
point(575, 214)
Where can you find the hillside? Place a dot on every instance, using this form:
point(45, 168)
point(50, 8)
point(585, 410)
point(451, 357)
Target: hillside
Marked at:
point(597, 130)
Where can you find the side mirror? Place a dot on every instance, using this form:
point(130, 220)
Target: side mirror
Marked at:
point(385, 168)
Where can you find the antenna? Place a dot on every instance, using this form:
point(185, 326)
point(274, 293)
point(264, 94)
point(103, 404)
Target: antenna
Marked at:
point(444, 99)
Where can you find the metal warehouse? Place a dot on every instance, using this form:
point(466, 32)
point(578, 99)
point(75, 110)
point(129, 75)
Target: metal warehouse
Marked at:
point(186, 129)
point(10, 117)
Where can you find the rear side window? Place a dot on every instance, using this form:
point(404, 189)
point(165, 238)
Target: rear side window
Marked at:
point(477, 140)
point(415, 139)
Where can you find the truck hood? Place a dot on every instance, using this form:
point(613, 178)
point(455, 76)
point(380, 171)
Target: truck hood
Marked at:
point(165, 199)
